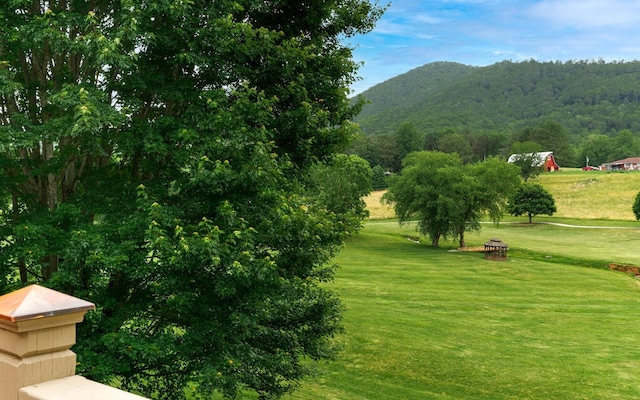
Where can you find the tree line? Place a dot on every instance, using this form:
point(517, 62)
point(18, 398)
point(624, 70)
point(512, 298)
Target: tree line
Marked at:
point(388, 150)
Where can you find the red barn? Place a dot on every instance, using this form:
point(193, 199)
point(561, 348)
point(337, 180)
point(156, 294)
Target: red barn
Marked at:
point(543, 159)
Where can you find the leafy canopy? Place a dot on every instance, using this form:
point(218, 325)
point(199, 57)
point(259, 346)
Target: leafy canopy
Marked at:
point(525, 156)
point(532, 199)
point(155, 154)
point(448, 198)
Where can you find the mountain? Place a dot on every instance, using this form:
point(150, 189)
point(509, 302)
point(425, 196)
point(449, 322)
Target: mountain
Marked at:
point(399, 93)
point(583, 96)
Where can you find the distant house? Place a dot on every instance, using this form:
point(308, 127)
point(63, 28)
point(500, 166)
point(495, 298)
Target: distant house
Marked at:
point(543, 159)
point(631, 163)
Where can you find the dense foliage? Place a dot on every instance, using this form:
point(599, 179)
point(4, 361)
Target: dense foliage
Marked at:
point(577, 109)
point(447, 197)
point(636, 207)
point(532, 199)
point(159, 160)
point(525, 156)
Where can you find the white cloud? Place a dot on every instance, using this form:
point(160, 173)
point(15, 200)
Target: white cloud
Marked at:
point(407, 24)
point(585, 14)
point(482, 32)
point(426, 19)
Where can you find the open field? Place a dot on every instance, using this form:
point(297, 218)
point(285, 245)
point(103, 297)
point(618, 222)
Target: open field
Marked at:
point(377, 210)
point(551, 322)
point(578, 194)
point(593, 194)
point(433, 324)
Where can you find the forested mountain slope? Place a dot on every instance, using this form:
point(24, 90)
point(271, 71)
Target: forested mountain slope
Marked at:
point(583, 96)
point(402, 91)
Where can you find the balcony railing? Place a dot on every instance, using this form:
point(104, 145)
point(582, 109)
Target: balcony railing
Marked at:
point(37, 330)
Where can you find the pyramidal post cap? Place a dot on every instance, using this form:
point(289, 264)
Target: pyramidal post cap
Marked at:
point(36, 301)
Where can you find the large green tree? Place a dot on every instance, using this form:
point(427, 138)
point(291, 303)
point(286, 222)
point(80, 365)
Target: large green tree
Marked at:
point(156, 157)
point(498, 181)
point(532, 199)
point(447, 197)
point(416, 191)
point(339, 184)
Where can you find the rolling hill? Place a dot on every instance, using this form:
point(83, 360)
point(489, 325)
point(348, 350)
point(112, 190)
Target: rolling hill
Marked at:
point(583, 96)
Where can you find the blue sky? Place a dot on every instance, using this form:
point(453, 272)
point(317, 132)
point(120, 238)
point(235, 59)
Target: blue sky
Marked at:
point(482, 32)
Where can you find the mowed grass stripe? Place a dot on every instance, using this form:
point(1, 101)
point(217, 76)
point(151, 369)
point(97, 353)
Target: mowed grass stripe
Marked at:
point(431, 324)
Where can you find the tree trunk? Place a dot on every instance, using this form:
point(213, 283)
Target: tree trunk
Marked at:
point(530, 216)
point(50, 266)
point(22, 265)
point(462, 243)
point(436, 241)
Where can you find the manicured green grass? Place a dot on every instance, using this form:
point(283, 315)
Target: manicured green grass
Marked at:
point(551, 322)
point(588, 245)
point(434, 324)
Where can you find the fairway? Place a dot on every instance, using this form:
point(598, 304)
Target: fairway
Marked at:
point(434, 324)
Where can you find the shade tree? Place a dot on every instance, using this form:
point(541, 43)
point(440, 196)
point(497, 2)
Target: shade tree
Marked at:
point(415, 192)
point(532, 199)
point(448, 198)
point(339, 184)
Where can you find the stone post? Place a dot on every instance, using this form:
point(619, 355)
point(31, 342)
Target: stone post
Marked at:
point(37, 329)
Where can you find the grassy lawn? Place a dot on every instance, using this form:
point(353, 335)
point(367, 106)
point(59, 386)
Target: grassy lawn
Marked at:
point(434, 324)
point(551, 322)
point(579, 246)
